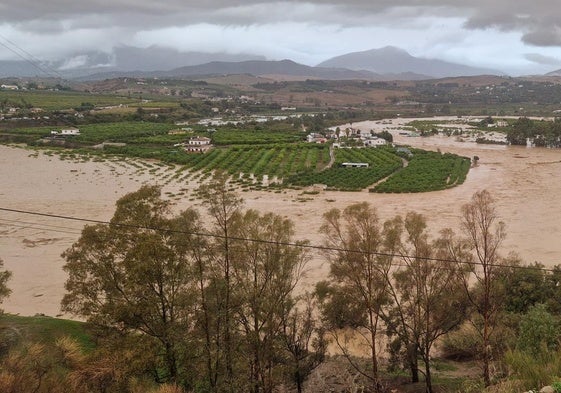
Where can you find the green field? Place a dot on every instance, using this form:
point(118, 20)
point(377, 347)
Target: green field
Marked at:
point(302, 164)
point(382, 163)
point(126, 131)
point(255, 137)
point(427, 171)
point(61, 100)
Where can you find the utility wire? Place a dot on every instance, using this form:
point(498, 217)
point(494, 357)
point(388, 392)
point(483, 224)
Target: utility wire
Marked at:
point(25, 225)
point(39, 223)
point(28, 57)
point(290, 244)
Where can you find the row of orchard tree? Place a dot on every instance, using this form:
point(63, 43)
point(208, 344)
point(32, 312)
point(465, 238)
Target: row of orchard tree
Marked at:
point(210, 303)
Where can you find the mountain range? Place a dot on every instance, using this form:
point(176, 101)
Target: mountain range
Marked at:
point(387, 63)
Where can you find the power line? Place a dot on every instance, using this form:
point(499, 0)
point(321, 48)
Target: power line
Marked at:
point(28, 57)
point(37, 227)
point(38, 223)
point(290, 244)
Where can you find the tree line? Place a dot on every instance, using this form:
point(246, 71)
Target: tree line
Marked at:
point(210, 303)
point(541, 133)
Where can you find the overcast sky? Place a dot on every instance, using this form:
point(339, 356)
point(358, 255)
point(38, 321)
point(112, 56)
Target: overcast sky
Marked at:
point(515, 36)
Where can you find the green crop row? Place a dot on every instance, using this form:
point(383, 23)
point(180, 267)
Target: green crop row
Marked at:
point(427, 171)
point(127, 132)
point(382, 163)
point(241, 137)
point(278, 160)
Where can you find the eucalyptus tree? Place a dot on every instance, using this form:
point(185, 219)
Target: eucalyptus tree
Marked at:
point(266, 266)
point(135, 275)
point(354, 244)
point(427, 293)
point(478, 251)
point(224, 208)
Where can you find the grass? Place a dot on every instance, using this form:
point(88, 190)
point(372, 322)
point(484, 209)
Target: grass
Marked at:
point(45, 330)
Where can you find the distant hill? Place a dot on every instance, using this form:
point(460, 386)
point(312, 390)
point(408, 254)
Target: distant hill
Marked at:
point(257, 68)
point(156, 58)
point(554, 73)
point(394, 60)
point(253, 67)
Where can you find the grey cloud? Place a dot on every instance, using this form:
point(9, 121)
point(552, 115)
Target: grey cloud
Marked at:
point(543, 60)
point(504, 22)
point(176, 11)
point(538, 21)
point(544, 37)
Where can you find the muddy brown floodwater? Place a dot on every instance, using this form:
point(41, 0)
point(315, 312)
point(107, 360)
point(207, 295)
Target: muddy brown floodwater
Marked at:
point(526, 183)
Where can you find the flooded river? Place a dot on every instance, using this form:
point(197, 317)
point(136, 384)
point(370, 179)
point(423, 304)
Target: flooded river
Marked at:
point(526, 183)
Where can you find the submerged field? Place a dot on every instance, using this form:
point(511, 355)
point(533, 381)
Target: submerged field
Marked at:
point(262, 156)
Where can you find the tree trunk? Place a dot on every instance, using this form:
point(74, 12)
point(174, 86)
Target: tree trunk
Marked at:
point(374, 359)
point(211, 377)
point(486, 355)
point(486, 330)
point(298, 378)
point(428, 376)
point(227, 322)
point(412, 362)
point(171, 362)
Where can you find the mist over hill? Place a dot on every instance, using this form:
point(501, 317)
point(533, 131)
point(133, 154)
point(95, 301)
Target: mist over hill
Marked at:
point(387, 63)
point(123, 59)
point(395, 60)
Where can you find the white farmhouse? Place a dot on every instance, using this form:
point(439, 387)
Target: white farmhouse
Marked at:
point(373, 141)
point(70, 131)
point(9, 87)
point(198, 144)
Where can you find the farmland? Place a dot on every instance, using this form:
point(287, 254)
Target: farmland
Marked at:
point(67, 100)
point(269, 155)
point(272, 155)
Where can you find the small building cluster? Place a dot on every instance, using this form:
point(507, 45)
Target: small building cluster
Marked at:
point(498, 123)
point(367, 139)
point(316, 138)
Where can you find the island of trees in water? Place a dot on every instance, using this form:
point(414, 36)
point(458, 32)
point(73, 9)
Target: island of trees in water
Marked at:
point(175, 303)
point(538, 133)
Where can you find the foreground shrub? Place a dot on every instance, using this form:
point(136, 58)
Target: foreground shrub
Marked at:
point(534, 370)
point(461, 344)
point(538, 329)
